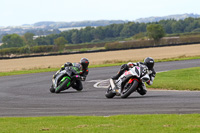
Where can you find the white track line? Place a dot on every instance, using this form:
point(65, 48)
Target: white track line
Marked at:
point(96, 85)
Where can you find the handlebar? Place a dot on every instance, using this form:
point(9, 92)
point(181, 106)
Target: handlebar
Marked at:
point(82, 78)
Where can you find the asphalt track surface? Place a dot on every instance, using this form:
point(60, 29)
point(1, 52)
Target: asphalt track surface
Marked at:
point(28, 95)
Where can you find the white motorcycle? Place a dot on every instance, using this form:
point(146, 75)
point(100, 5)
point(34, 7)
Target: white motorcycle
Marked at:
point(128, 82)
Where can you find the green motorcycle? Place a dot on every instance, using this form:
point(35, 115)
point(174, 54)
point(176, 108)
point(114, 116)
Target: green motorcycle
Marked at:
point(64, 79)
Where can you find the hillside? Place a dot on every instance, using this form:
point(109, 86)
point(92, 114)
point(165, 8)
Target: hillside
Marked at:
point(108, 22)
point(78, 23)
point(51, 27)
point(175, 17)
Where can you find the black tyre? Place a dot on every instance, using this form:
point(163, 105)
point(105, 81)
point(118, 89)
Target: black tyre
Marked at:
point(77, 85)
point(109, 93)
point(79, 89)
point(62, 86)
point(141, 91)
point(52, 90)
point(129, 88)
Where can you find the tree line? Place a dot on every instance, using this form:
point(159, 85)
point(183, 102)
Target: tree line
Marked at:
point(96, 34)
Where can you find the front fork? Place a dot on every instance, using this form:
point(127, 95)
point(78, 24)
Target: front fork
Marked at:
point(129, 83)
point(115, 89)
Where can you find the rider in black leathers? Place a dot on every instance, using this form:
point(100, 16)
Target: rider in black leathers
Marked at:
point(149, 62)
point(84, 62)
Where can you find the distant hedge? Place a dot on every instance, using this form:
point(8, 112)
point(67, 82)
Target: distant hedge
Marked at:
point(42, 49)
point(9, 51)
point(85, 46)
point(166, 41)
point(151, 43)
point(128, 44)
point(26, 50)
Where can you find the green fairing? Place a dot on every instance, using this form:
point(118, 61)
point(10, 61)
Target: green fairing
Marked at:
point(63, 79)
point(76, 69)
point(68, 84)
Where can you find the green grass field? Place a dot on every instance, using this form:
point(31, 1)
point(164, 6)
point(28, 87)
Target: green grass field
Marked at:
point(182, 79)
point(173, 123)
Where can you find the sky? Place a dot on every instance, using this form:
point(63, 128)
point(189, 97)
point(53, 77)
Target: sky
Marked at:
point(19, 12)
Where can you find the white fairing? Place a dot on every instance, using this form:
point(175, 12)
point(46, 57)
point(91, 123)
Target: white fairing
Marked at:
point(141, 73)
point(145, 78)
point(132, 71)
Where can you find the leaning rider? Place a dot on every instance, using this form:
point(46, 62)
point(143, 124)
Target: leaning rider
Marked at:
point(149, 62)
point(84, 62)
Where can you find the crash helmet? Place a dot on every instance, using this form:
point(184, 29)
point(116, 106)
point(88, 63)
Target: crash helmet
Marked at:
point(149, 62)
point(84, 62)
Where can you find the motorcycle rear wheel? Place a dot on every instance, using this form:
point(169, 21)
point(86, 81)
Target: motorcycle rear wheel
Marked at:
point(109, 93)
point(125, 93)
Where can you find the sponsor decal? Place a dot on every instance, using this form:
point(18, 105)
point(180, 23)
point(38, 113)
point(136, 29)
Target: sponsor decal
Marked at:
point(127, 73)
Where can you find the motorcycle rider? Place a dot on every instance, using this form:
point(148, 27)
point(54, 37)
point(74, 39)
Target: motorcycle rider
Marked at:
point(149, 62)
point(83, 64)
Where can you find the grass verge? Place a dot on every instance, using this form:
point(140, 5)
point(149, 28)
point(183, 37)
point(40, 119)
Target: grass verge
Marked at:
point(116, 124)
point(182, 79)
point(36, 70)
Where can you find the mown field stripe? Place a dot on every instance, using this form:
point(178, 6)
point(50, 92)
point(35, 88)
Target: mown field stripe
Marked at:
point(107, 64)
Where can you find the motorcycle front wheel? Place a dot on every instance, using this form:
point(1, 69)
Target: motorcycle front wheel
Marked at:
point(129, 88)
point(63, 85)
point(52, 90)
point(109, 93)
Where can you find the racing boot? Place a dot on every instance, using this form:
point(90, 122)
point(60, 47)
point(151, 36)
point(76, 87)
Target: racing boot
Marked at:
point(142, 89)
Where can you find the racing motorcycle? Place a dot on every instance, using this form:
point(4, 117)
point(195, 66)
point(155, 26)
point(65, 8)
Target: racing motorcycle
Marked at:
point(64, 79)
point(128, 82)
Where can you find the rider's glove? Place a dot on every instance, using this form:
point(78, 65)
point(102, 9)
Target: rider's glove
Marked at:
point(130, 64)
